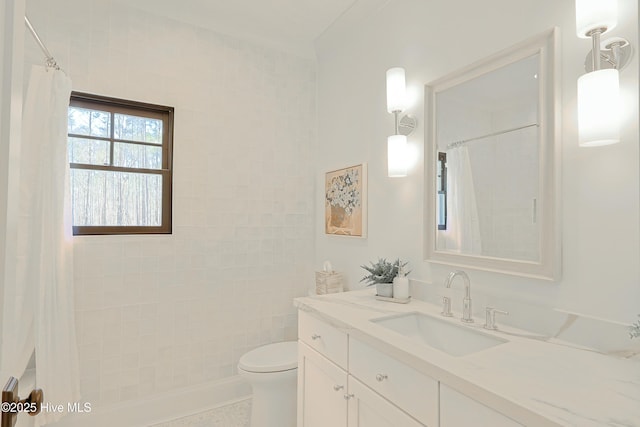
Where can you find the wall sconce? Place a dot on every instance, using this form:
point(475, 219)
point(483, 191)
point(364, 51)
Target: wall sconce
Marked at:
point(599, 88)
point(397, 144)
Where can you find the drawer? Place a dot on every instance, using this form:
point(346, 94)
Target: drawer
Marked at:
point(324, 338)
point(411, 390)
point(460, 410)
point(367, 408)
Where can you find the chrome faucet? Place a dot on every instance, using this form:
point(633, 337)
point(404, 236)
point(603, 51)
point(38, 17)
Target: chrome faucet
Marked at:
point(466, 302)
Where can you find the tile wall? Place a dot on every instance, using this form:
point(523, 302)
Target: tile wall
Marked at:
point(155, 313)
point(505, 175)
point(505, 207)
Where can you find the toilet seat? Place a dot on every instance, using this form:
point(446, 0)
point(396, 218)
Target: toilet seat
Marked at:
point(277, 357)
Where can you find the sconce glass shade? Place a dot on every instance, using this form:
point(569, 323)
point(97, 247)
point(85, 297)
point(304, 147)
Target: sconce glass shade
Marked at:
point(397, 156)
point(599, 108)
point(396, 89)
point(592, 14)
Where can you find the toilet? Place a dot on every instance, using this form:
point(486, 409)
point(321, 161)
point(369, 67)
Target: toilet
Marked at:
point(272, 372)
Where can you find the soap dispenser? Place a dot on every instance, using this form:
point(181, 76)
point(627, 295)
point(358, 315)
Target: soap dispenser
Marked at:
point(401, 285)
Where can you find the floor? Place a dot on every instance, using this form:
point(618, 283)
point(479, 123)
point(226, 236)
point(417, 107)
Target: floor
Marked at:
point(233, 415)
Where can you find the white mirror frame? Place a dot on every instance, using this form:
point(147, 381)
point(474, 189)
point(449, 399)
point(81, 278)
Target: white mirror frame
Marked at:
point(548, 266)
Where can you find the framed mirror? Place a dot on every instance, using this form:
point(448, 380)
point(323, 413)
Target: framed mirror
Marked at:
point(492, 163)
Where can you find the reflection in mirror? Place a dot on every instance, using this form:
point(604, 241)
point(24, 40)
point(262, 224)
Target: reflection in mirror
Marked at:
point(487, 135)
point(492, 165)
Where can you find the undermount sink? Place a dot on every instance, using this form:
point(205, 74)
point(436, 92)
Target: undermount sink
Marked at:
point(455, 340)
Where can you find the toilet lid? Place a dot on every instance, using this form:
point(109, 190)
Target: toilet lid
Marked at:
point(281, 356)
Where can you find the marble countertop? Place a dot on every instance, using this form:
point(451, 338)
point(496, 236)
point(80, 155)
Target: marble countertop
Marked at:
point(534, 382)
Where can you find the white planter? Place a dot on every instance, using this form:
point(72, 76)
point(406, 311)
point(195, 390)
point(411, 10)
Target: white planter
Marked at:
point(384, 290)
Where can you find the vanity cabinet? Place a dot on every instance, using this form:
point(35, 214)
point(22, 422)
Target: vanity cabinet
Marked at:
point(330, 394)
point(458, 410)
point(345, 382)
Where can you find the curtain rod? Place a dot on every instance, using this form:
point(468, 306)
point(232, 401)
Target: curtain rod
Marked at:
point(464, 141)
point(50, 61)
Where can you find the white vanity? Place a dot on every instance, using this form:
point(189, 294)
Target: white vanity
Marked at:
point(365, 363)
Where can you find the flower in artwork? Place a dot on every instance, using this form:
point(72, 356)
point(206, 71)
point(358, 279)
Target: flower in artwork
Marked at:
point(343, 191)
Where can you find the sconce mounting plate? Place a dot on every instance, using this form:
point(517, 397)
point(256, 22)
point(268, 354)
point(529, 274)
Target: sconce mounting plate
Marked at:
point(407, 124)
point(607, 57)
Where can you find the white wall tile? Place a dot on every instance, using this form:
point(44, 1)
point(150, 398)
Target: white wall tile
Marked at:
point(157, 312)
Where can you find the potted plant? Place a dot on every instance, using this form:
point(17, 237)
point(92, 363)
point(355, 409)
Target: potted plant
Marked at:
point(634, 329)
point(382, 274)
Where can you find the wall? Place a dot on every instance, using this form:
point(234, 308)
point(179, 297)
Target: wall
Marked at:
point(159, 313)
point(430, 38)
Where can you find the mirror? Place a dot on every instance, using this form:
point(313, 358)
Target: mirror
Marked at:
point(491, 163)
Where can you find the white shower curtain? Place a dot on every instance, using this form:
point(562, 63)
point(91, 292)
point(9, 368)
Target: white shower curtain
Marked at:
point(39, 307)
point(463, 226)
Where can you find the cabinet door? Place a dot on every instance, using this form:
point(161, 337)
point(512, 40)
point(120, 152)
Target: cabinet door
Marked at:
point(322, 387)
point(369, 409)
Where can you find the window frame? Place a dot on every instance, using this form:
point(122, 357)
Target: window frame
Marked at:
point(140, 109)
point(442, 170)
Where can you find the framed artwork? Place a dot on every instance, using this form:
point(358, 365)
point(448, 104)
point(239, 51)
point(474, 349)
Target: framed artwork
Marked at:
point(345, 201)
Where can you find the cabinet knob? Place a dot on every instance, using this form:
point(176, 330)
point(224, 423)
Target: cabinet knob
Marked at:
point(315, 337)
point(381, 377)
point(338, 387)
point(348, 396)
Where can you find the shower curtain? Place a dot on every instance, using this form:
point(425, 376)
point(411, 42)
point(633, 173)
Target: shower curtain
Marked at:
point(463, 227)
point(39, 307)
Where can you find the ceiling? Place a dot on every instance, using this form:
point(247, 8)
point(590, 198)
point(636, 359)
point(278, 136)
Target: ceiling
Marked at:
point(292, 25)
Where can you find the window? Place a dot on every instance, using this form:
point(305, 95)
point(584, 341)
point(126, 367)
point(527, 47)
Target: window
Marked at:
point(120, 155)
point(442, 191)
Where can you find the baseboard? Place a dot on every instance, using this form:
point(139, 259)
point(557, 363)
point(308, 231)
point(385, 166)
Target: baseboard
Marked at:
point(162, 407)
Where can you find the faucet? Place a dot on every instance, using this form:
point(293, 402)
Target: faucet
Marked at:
point(490, 317)
point(466, 302)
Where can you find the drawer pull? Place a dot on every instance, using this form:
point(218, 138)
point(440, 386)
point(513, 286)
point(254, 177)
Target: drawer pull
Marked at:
point(381, 377)
point(348, 396)
point(315, 337)
point(338, 387)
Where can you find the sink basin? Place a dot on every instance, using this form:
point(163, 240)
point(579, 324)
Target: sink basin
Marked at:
point(455, 340)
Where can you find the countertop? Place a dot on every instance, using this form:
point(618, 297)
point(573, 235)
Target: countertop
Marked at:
point(534, 382)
